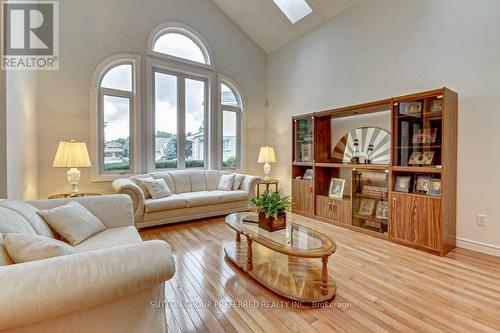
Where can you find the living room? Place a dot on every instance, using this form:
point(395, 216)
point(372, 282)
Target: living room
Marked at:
point(249, 166)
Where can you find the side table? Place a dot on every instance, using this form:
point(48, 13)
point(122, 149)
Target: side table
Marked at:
point(267, 184)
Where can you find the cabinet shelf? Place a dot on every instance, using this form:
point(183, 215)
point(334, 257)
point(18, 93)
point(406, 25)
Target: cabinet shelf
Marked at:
point(353, 166)
point(418, 169)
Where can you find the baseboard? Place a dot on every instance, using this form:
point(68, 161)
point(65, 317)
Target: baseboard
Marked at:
point(478, 246)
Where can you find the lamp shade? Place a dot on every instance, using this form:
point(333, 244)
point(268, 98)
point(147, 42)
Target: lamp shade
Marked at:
point(72, 155)
point(266, 155)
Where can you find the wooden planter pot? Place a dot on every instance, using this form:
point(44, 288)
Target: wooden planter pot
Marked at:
point(271, 224)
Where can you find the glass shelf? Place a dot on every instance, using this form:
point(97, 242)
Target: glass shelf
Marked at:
point(303, 134)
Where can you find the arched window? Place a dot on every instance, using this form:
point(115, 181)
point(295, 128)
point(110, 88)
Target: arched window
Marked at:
point(115, 101)
point(177, 41)
point(232, 112)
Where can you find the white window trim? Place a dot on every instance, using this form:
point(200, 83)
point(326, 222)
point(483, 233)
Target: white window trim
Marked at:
point(175, 27)
point(240, 126)
point(186, 71)
point(95, 115)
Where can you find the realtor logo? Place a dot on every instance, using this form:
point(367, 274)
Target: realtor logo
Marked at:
point(30, 35)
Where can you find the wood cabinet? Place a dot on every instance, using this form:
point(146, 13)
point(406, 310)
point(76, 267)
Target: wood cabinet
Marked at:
point(303, 196)
point(338, 210)
point(419, 220)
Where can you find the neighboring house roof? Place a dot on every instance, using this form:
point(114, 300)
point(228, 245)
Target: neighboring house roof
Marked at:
point(114, 144)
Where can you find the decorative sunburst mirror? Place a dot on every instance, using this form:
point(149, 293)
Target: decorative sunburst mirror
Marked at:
point(375, 138)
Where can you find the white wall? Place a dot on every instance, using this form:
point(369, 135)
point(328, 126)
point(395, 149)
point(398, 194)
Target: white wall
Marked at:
point(383, 48)
point(3, 137)
point(91, 30)
point(21, 131)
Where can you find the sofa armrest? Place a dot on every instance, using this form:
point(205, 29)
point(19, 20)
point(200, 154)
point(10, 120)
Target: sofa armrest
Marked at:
point(128, 187)
point(113, 210)
point(248, 184)
point(45, 289)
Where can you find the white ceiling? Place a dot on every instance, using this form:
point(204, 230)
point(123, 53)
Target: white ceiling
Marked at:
point(264, 22)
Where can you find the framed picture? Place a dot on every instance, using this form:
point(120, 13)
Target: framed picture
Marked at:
point(434, 187)
point(422, 184)
point(411, 109)
point(366, 207)
point(308, 175)
point(382, 211)
point(336, 188)
point(416, 158)
point(425, 135)
point(306, 152)
point(437, 105)
point(427, 157)
point(402, 184)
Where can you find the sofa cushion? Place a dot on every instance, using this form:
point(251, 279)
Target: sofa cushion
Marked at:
point(198, 181)
point(109, 238)
point(212, 177)
point(181, 181)
point(29, 213)
point(231, 196)
point(175, 201)
point(158, 188)
point(203, 198)
point(139, 180)
point(165, 175)
point(226, 182)
point(73, 222)
point(28, 247)
point(4, 255)
point(13, 222)
point(238, 178)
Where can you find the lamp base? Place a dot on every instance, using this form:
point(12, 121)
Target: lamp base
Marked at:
point(73, 176)
point(267, 171)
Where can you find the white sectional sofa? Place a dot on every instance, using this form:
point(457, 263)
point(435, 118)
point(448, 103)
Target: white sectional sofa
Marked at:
point(195, 196)
point(115, 282)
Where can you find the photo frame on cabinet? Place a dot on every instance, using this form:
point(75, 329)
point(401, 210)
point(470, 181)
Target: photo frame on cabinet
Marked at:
point(425, 135)
point(402, 184)
point(434, 187)
point(336, 188)
point(437, 105)
point(366, 207)
point(422, 184)
point(308, 175)
point(382, 211)
point(413, 109)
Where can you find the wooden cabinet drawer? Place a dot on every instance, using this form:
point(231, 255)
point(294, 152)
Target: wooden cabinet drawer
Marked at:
point(333, 209)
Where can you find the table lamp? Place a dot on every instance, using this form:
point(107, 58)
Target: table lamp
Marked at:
point(72, 155)
point(266, 155)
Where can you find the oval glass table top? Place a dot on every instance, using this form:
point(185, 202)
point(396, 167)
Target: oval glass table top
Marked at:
point(295, 240)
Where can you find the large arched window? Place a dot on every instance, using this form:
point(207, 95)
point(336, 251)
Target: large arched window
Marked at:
point(115, 101)
point(232, 113)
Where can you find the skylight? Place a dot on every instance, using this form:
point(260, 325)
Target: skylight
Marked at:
point(295, 10)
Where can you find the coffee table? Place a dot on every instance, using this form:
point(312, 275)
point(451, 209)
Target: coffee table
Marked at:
point(282, 260)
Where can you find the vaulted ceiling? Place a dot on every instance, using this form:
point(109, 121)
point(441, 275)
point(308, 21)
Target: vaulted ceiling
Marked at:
point(264, 22)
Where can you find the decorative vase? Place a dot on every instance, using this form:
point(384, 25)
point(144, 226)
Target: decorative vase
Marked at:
point(272, 224)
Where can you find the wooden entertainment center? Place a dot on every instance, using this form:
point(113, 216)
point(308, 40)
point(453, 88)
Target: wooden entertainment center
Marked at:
point(385, 168)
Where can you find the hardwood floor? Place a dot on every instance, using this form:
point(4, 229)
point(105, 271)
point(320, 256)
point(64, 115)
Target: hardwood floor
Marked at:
point(381, 287)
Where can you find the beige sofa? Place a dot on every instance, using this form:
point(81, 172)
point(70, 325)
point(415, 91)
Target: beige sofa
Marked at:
point(195, 196)
point(115, 283)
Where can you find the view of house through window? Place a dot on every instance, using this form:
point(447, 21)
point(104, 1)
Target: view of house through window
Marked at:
point(195, 123)
point(231, 115)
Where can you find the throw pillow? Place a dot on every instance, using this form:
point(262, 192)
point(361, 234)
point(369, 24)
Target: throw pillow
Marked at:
point(139, 181)
point(28, 247)
point(73, 222)
point(158, 188)
point(4, 255)
point(226, 182)
point(238, 179)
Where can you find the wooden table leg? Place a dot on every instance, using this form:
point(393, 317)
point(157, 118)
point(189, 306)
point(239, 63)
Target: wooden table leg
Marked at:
point(238, 237)
point(324, 276)
point(249, 254)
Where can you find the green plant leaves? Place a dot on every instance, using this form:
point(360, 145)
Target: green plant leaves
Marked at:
point(271, 204)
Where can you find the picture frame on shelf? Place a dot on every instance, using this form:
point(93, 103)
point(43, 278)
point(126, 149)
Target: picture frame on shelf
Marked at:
point(382, 211)
point(336, 189)
point(428, 157)
point(306, 152)
point(308, 175)
point(366, 207)
point(422, 184)
point(413, 109)
point(416, 158)
point(402, 184)
point(425, 135)
point(434, 187)
point(437, 105)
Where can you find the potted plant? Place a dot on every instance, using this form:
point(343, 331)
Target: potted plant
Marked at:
point(272, 209)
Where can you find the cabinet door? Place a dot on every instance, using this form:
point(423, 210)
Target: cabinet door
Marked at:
point(341, 210)
point(303, 197)
point(416, 219)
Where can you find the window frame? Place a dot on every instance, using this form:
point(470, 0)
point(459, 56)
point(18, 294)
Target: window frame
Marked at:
point(179, 28)
point(240, 115)
point(182, 72)
point(98, 174)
